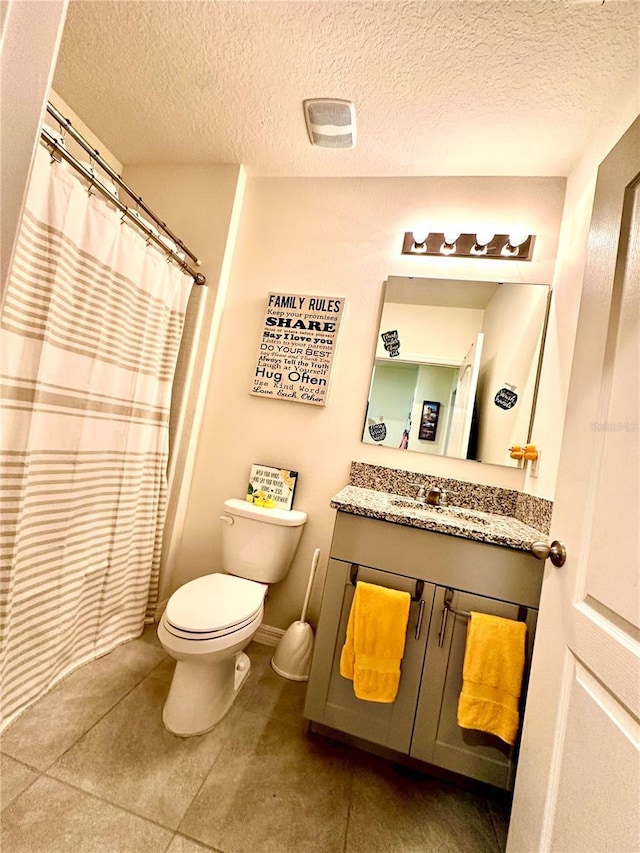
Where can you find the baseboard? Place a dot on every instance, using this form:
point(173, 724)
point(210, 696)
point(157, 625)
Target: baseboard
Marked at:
point(268, 635)
point(160, 608)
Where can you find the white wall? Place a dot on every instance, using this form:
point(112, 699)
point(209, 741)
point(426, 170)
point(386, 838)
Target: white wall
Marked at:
point(329, 237)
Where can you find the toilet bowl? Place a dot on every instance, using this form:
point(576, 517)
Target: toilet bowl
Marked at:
point(205, 626)
point(210, 620)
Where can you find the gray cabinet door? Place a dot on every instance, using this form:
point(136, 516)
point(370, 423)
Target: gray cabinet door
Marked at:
point(437, 738)
point(330, 698)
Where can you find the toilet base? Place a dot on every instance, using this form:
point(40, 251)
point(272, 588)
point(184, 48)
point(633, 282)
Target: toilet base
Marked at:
point(202, 692)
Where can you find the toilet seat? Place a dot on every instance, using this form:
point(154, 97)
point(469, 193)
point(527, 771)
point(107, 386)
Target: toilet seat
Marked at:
point(214, 606)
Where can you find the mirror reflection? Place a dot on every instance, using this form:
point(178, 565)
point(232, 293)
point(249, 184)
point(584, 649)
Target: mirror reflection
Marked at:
point(456, 367)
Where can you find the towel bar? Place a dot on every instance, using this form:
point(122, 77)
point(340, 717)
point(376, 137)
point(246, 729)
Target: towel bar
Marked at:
point(465, 614)
point(419, 588)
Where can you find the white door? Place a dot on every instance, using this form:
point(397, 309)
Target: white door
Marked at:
point(578, 781)
point(462, 417)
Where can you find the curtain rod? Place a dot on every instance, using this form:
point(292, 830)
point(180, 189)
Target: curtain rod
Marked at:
point(65, 123)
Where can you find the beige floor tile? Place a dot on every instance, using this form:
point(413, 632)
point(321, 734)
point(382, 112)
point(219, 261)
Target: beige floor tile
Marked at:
point(272, 790)
point(130, 759)
point(271, 695)
point(51, 725)
point(394, 809)
point(180, 844)
point(260, 655)
point(54, 818)
point(150, 635)
point(256, 784)
point(15, 777)
point(164, 670)
point(500, 811)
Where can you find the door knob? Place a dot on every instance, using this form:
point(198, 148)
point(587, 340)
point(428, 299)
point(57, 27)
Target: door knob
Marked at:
point(556, 551)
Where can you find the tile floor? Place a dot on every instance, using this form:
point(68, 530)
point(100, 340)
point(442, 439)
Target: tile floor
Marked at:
point(90, 769)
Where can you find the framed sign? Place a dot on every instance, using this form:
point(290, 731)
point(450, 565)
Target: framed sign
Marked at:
point(296, 347)
point(391, 342)
point(429, 421)
point(271, 487)
point(506, 398)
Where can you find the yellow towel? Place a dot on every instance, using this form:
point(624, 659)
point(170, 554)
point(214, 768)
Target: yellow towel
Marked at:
point(374, 647)
point(492, 676)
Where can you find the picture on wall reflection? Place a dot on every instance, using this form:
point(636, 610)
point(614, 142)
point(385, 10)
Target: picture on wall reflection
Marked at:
point(429, 421)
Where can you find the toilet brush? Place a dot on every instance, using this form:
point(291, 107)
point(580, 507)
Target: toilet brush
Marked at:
point(292, 658)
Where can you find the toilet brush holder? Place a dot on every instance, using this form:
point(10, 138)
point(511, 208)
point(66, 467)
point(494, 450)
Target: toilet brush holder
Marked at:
point(292, 658)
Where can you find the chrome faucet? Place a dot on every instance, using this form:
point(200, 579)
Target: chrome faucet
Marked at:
point(437, 497)
point(421, 496)
point(433, 498)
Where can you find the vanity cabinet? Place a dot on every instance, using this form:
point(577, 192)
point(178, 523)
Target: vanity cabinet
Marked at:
point(443, 574)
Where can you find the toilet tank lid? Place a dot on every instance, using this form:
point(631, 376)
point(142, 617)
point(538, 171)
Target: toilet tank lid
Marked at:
point(283, 517)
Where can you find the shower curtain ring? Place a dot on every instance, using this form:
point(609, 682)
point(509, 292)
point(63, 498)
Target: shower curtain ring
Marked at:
point(92, 172)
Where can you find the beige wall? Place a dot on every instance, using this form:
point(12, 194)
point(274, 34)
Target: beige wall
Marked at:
point(29, 38)
point(201, 204)
point(509, 359)
point(336, 237)
point(76, 150)
point(437, 384)
point(451, 331)
point(565, 302)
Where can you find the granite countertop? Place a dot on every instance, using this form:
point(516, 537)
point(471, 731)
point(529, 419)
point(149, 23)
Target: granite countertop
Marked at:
point(452, 520)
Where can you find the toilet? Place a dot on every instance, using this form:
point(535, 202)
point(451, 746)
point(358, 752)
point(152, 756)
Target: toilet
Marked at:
point(210, 620)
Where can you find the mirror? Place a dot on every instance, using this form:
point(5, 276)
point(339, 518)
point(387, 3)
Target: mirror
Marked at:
point(456, 367)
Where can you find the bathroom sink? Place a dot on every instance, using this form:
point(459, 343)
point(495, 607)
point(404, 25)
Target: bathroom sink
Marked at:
point(444, 512)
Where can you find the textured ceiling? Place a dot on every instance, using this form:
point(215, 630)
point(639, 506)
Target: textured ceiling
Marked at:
point(463, 87)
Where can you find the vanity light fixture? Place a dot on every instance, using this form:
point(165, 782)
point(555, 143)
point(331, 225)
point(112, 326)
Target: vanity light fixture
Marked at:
point(515, 246)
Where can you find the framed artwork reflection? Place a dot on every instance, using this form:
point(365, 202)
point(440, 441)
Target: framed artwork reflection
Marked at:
point(429, 421)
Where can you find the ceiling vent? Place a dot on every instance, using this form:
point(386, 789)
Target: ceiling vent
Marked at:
point(331, 123)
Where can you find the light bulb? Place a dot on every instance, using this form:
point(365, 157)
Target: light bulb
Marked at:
point(483, 238)
point(419, 236)
point(449, 245)
point(517, 237)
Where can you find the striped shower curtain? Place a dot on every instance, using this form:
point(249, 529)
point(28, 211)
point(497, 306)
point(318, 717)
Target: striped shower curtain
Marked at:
point(89, 337)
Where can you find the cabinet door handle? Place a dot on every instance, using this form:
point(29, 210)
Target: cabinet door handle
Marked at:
point(443, 626)
point(420, 617)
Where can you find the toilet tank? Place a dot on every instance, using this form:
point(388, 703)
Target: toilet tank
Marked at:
point(257, 543)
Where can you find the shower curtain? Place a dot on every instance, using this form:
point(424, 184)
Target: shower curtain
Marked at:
point(89, 337)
